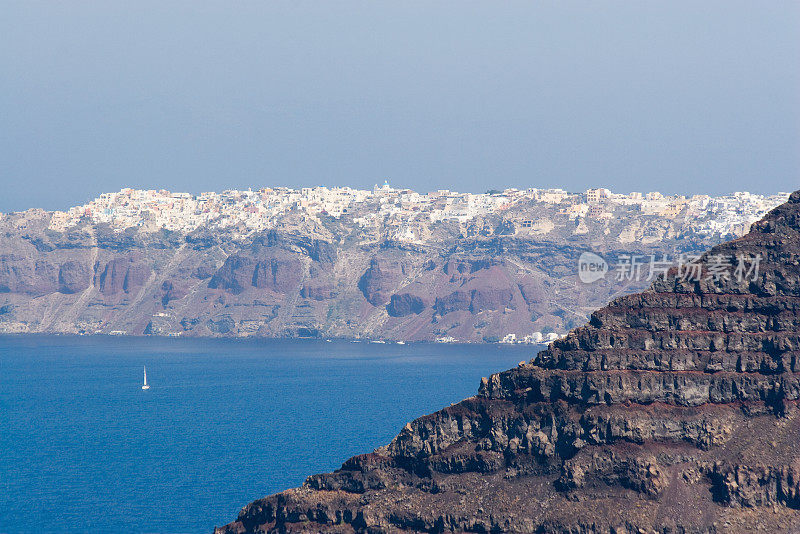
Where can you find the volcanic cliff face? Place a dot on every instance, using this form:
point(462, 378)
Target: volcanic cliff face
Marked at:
point(672, 410)
point(321, 277)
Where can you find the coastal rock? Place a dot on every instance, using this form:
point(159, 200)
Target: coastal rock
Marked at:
point(455, 301)
point(279, 275)
point(379, 279)
point(403, 304)
point(235, 275)
point(224, 325)
point(490, 298)
point(122, 275)
point(74, 277)
point(673, 410)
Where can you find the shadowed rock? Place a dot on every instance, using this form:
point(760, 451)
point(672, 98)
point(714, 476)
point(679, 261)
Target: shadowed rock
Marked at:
point(235, 275)
point(404, 304)
point(74, 277)
point(379, 279)
point(122, 275)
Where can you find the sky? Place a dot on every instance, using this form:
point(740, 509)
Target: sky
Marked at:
point(680, 97)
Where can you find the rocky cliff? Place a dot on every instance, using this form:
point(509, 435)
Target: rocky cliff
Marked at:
point(672, 410)
point(321, 277)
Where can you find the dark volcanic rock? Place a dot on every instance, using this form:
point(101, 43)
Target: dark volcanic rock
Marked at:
point(673, 410)
point(189, 323)
point(380, 279)
point(74, 277)
point(468, 266)
point(137, 275)
point(122, 275)
point(490, 298)
point(224, 325)
point(279, 275)
point(205, 270)
point(455, 301)
point(235, 275)
point(323, 251)
point(109, 281)
point(476, 301)
point(238, 273)
point(404, 304)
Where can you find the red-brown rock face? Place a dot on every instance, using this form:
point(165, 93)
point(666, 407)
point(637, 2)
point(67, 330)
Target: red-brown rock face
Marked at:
point(379, 279)
point(279, 275)
point(122, 275)
point(235, 275)
point(403, 304)
point(672, 410)
point(240, 273)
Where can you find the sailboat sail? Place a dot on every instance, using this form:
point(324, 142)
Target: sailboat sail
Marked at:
point(145, 386)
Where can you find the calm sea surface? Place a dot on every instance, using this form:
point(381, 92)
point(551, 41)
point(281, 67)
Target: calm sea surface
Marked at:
point(83, 448)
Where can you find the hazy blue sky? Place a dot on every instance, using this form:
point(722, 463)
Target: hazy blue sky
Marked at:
point(195, 96)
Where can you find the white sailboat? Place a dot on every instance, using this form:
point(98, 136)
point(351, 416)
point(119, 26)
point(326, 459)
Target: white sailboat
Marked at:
point(145, 386)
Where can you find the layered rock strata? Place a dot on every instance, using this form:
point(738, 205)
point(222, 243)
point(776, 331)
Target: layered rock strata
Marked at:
point(673, 410)
point(478, 280)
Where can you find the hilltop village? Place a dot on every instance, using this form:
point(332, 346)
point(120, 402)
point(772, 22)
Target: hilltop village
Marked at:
point(406, 214)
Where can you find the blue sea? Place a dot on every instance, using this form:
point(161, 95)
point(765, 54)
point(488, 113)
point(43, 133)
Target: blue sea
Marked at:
point(83, 448)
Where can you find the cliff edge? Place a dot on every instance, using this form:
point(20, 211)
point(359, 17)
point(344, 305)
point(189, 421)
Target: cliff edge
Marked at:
point(672, 410)
point(322, 277)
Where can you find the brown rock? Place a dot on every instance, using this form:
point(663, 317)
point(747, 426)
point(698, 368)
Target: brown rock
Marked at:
point(20, 274)
point(279, 275)
point(402, 304)
point(455, 301)
point(235, 275)
point(122, 275)
point(377, 282)
point(74, 277)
